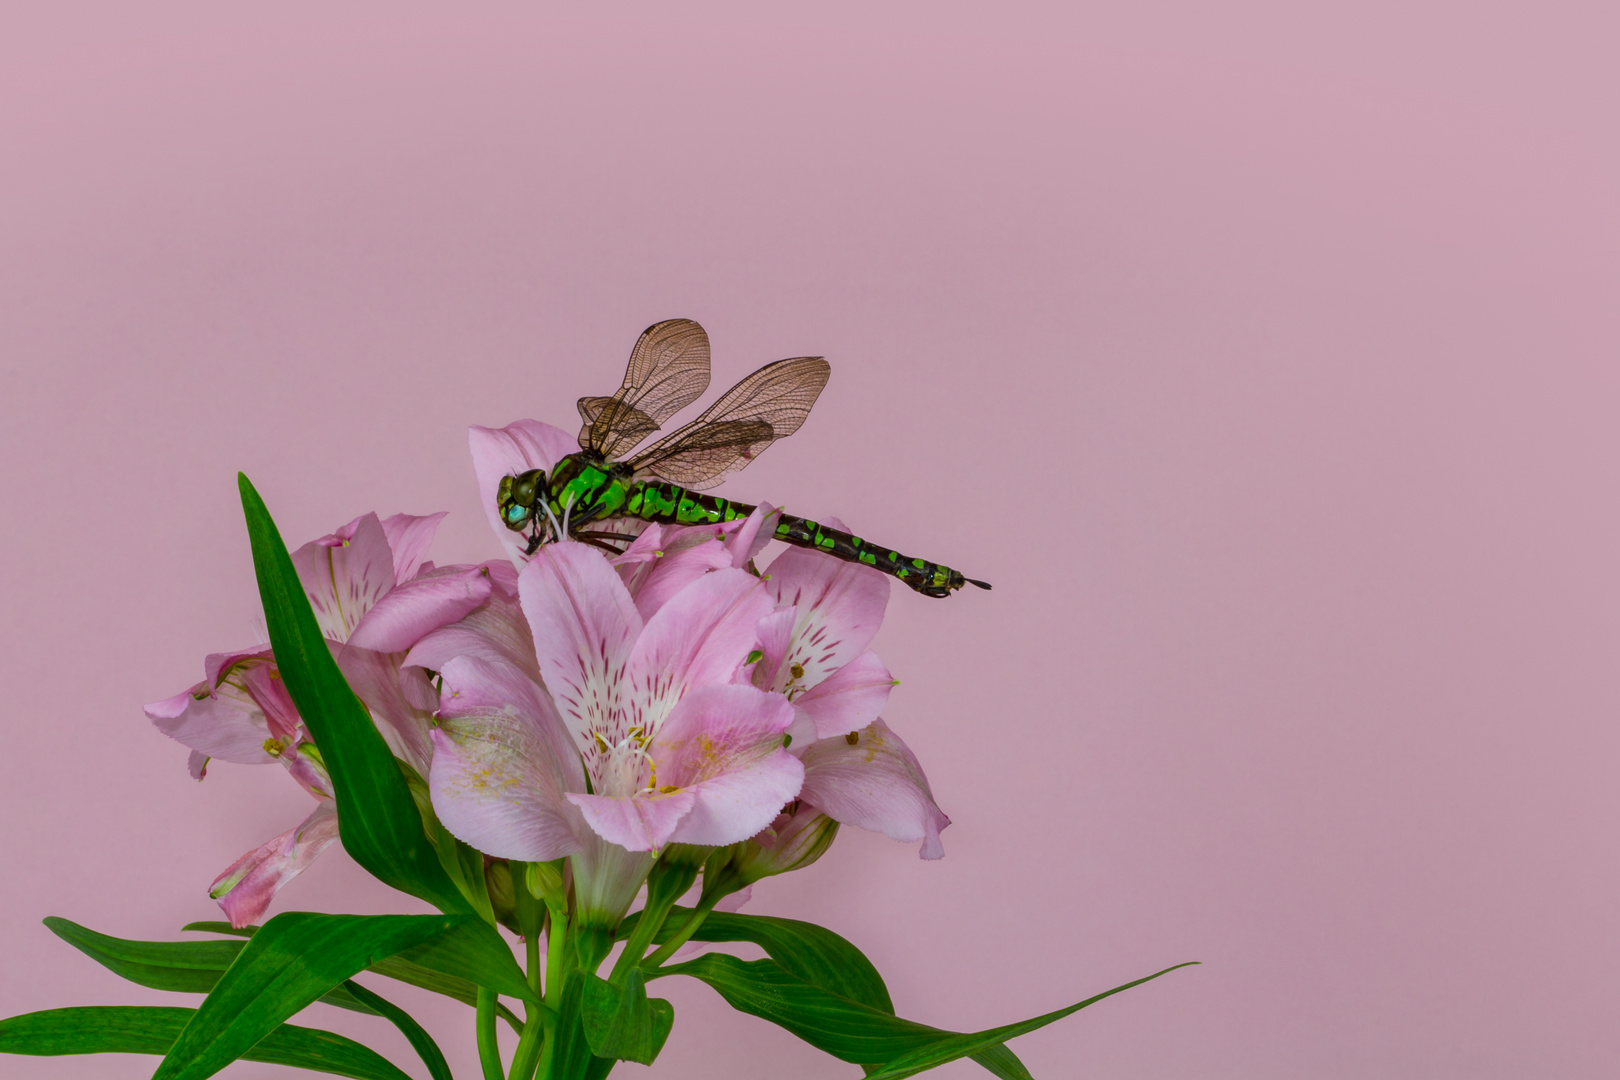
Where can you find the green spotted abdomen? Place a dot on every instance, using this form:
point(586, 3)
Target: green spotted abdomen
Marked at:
point(670, 503)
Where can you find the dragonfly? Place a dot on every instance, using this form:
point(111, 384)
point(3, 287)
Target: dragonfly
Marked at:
point(664, 482)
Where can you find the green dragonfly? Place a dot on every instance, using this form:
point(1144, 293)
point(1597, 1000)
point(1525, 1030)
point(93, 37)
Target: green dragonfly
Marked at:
point(668, 370)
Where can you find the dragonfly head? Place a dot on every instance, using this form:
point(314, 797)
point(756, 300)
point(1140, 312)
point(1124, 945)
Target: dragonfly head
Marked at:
point(515, 498)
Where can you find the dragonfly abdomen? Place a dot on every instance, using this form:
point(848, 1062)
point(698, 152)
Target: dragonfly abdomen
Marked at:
point(671, 503)
point(928, 578)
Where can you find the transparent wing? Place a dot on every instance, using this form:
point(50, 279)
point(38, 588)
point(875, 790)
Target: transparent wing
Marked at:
point(668, 370)
point(768, 405)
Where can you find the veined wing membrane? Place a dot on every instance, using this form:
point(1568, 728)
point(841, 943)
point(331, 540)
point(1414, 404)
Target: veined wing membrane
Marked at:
point(768, 405)
point(668, 370)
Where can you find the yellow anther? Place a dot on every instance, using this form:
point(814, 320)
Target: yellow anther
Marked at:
point(603, 743)
point(273, 746)
point(852, 738)
point(668, 789)
point(797, 670)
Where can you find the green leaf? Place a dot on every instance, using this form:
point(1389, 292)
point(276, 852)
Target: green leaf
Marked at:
point(187, 967)
point(296, 958)
point(621, 1022)
point(394, 967)
point(939, 1053)
point(850, 1030)
point(844, 1028)
point(813, 953)
point(573, 1057)
point(420, 1040)
point(473, 951)
point(380, 828)
point(823, 959)
point(191, 967)
point(122, 1029)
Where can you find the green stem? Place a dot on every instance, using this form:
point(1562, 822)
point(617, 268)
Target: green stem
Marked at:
point(684, 934)
point(665, 885)
point(489, 1053)
point(527, 1054)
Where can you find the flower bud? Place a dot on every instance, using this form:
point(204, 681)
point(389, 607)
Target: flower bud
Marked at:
point(545, 882)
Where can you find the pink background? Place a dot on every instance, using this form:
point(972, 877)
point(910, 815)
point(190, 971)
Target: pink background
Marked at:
point(1265, 361)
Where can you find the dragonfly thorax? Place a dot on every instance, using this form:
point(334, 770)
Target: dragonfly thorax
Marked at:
point(584, 487)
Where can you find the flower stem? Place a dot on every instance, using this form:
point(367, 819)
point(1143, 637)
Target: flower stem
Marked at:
point(684, 934)
point(489, 1053)
point(527, 1054)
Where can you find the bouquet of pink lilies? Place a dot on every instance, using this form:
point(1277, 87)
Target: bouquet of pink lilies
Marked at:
point(537, 743)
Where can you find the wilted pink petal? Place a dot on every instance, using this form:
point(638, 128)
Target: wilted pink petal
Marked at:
point(875, 783)
point(850, 698)
point(507, 451)
point(245, 889)
point(345, 574)
point(197, 764)
point(502, 764)
point(408, 613)
point(408, 538)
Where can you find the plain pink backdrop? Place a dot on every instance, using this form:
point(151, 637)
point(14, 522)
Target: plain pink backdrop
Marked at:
point(1265, 361)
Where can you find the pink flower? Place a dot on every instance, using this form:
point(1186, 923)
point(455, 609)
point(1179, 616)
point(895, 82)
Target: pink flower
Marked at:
point(643, 740)
point(374, 597)
point(645, 710)
point(815, 650)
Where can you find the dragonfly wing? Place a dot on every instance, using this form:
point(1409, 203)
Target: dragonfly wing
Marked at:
point(668, 370)
point(768, 405)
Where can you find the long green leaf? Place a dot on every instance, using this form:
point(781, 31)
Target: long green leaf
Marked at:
point(823, 959)
point(123, 1029)
point(939, 1053)
point(843, 1028)
point(420, 1040)
point(394, 967)
point(296, 958)
point(187, 967)
point(848, 1029)
point(472, 951)
point(380, 826)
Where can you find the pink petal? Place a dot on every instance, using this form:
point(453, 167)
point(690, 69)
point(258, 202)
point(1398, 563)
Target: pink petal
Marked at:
point(502, 764)
point(494, 631)
point(408, 538)
point(507, 451)
point(379, 682)
point(850, 698)
point(584, 625)
point(751, 536)
point(680, 564)
point(212, 726)
point(246, 888)
point(408, 613)
point(724, 744)
point(640, 822)
point(876, 784)
point(774, 634)
point(700, 636)
point(606, 879)
point(345, 574)
point(840, 607)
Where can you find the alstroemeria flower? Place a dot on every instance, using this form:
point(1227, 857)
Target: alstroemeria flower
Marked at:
point(373, 597)
point(815, 650)
point(673, 749)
